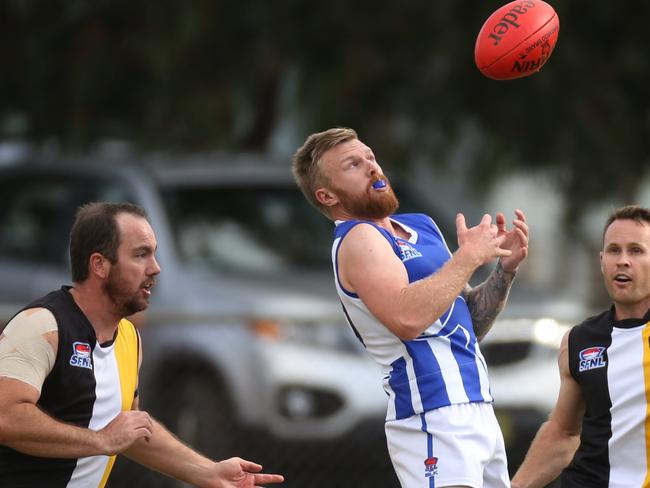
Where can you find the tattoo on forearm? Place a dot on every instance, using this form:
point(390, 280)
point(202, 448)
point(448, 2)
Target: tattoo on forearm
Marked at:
point(488, 299)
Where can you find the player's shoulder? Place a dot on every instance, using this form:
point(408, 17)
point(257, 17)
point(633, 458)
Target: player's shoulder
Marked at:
point(603, 317)
point(36, 320)
point(367, 235)
point(595, 324)
point(364, 239)
point(356, 228)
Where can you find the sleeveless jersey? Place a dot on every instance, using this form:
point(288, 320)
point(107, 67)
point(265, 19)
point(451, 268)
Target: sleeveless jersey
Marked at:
point(88, 386)
point(610, 360)
point(444, 365)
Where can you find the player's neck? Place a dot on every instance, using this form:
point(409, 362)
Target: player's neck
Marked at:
point(637, 310)
point(98, 309)
point(396, 229)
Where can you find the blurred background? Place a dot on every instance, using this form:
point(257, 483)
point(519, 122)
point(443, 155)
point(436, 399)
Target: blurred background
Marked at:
point(193, 110)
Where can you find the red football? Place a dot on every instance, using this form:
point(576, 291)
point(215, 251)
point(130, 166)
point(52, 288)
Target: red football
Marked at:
point(516, 40)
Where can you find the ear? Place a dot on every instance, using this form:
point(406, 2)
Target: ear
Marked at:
point(601, 263)
point(99, 265)
point(326, 197)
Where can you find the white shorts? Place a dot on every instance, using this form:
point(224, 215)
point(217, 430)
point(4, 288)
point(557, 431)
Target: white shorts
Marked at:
point(458, 445)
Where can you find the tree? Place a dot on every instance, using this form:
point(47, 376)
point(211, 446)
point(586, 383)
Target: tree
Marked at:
point(223, 74)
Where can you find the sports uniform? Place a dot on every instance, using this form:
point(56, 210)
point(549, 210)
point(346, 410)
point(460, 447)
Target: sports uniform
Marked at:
point(437, 384)
point(610, 360)
point(88, 386)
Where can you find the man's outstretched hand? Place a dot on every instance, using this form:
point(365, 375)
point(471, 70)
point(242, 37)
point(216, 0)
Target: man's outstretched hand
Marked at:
point(239, 473)
point(516, 240)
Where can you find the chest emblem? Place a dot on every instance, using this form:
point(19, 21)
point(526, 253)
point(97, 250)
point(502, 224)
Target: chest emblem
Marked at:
point(407, 251)
point(591, 358)
point(81, 355)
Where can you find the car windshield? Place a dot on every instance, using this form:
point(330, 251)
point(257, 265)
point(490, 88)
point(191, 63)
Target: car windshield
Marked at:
point(254, 229)
point(251, 229)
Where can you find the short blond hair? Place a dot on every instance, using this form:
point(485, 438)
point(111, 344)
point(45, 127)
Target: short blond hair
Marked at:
point(306, 167)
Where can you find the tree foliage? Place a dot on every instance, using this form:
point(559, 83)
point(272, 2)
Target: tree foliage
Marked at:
point(225, 74)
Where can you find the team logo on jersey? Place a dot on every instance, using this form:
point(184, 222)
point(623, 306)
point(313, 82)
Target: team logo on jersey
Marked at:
point(591, 358)
point(407, 251)
point(430, 467)
point(81, 355)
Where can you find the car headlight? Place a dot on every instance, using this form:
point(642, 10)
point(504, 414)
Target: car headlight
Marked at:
point(549, 332)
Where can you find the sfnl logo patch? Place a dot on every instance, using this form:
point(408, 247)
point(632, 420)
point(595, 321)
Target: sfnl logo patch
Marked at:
point(407, 251)
point(591, 358)
point(81, 355)
point(430, 467)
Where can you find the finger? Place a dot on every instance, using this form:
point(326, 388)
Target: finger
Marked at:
point(144, 432)
point(461, 226)
point(520, 215)
point(522, 236)
point(143, 421)
point(486, 220)
point(250, 466)
point(503, 253)
point(520, 224)
point(265, 479)
point(501, 222)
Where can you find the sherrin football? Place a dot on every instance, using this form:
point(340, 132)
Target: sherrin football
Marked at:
point(516, 40)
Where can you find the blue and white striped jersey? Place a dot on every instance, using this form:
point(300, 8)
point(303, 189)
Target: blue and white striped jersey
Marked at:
point(442, 366)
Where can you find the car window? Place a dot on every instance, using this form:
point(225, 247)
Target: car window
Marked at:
point(38, 212)
point(253, 228)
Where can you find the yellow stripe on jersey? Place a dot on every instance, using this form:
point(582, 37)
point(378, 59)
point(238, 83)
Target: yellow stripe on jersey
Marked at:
point(126, 354)
point(646, 377)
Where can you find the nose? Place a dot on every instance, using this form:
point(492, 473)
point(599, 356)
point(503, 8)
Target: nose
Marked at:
point(623, 259)
point(373, 167)
point(154, 267)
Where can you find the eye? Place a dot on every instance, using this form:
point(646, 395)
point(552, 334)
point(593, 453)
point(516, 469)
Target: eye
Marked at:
point(353, 163)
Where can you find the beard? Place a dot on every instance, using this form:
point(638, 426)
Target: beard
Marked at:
point(126, 303)
point(372, 205)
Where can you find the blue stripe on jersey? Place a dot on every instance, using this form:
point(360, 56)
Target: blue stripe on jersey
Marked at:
point(463, 347)
point(431, 384)
point(468, 372)
point(399, 383)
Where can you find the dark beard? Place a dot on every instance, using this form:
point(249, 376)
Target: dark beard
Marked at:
point(375, 207)
point(127, 305)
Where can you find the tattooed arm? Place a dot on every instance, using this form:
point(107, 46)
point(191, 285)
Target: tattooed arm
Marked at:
point(487, 300)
